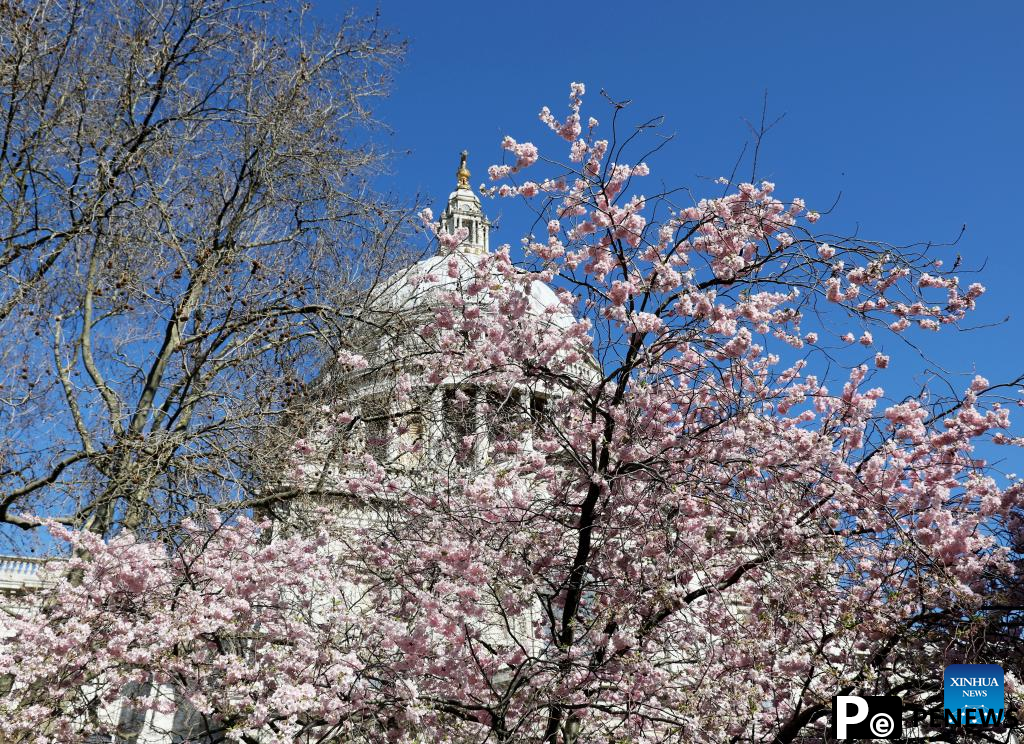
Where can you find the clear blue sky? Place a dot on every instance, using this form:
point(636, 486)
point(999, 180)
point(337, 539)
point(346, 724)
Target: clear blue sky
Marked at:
point(912, 110)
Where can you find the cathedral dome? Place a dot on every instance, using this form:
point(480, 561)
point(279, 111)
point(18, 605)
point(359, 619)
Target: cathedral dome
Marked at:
point(424, 284)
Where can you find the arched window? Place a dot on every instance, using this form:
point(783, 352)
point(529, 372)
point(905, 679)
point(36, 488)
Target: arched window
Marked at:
point(459, 419)
point(376, 428)
point(538, 404)
point(505, 415)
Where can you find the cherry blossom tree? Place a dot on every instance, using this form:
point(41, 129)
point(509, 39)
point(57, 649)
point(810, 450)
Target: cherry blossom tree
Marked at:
point(215, 637)
point(658, 514)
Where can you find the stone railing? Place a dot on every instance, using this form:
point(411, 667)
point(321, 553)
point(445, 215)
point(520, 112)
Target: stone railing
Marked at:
point(19, 574)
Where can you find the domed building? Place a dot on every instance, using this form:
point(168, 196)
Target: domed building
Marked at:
point(420, 284)
point(446, 410)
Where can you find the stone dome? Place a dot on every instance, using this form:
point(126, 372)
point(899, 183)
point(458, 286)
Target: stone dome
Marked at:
point(423, 285)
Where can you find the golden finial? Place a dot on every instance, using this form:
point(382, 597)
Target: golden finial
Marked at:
point(462, 174)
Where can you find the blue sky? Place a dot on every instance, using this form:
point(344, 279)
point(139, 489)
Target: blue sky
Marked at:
point(911, 111)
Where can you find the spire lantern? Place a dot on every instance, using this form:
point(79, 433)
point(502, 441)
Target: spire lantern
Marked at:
point(462, 174)
point(464, 210)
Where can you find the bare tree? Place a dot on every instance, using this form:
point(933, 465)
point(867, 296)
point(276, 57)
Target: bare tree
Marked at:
point(185, 226)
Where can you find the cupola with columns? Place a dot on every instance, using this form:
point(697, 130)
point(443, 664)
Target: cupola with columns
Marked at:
point(464, 210)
